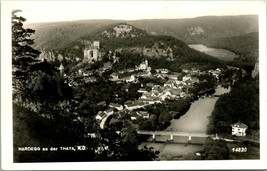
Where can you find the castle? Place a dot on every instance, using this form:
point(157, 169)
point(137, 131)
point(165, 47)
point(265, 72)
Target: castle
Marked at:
point(91, 51)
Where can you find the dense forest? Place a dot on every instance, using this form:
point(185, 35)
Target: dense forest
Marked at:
point(242, 105)
point(131, 51)
point(246, 46)
point(49, 113)
point(213, 27)
point(200, 29)
point(235, 33)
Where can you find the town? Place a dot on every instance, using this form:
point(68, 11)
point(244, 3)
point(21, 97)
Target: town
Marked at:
point(158, 87)
point(124, 93)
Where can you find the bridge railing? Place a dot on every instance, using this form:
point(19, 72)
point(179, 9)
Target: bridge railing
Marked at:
point(173, 133)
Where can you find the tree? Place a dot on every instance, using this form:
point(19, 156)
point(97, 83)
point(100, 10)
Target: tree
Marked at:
point(215, 150)
point(23, 55)
point(22, 52)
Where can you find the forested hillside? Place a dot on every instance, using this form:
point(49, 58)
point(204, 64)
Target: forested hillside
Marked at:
point(235, 33)
point(52, 121)
point(242, 105)
point(162, 51)
point(246, 46)
point(59, 35)
point(200, 29)
point(190, 30)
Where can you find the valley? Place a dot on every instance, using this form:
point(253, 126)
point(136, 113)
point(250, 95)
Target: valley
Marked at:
point(103, 81)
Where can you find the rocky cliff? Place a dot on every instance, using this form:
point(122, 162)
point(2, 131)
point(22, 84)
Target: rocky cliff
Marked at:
point(255, 72)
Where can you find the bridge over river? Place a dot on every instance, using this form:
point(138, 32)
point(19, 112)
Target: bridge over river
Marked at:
point(176, 137)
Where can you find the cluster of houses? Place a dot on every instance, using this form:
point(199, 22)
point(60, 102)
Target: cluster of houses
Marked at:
point(172, 89)
point(175, 87)
point(151, 93)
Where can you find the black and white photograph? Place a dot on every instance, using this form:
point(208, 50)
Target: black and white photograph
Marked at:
point(115, 84)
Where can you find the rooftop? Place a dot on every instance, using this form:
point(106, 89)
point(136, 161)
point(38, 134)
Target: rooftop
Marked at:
point(239, 125)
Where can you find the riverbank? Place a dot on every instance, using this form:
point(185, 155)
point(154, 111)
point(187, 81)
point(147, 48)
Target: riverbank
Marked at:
point(195, 120)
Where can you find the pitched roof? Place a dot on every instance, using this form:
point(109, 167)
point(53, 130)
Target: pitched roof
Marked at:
point(142, 113)
point(239, 125)
point(101, 113)
point(142, 89)
point(176, 91)
point(114, 105)
point(109, 110)
point(149, 84)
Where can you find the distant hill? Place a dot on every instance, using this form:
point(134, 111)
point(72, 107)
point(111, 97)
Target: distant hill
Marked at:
point(131, 44)
point(200, 29)
point(59, 35)
point(157, 37)
point(245, 45)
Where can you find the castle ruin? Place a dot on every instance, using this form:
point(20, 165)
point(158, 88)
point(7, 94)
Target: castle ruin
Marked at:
point(91, 51)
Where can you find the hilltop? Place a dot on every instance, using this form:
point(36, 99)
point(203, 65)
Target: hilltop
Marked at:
point(200, 29)
point(246, 45)
point(57, 35)
point(132, 44)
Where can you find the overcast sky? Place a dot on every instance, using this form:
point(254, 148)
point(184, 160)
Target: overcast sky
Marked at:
point(46, 11)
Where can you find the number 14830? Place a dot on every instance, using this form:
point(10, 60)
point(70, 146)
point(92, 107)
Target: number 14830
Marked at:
point(239, 149)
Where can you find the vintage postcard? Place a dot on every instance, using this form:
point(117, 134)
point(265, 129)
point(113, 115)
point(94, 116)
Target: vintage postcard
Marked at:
point(121, 84)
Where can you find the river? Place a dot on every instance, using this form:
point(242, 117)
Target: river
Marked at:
point(218, 53)
point(195, 120)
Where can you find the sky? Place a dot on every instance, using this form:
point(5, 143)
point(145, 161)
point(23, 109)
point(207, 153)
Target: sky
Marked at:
point(49, 11)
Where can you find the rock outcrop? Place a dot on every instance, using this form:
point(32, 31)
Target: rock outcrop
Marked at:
point(255, 72)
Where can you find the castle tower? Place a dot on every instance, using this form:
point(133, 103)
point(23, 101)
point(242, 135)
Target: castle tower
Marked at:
point(96, 44)
point(88, 54)
point(146, 62)
point(95, 54)
point(91, 52)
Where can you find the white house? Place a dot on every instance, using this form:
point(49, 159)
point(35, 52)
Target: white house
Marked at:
point(239, 129)
point(166, 95)
point(114, 77)
point(142, 90)
point(61, 68)
point(143, 114)
point(186, 77)
point(130, 79)
point(100, 115)
point(143, 66)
